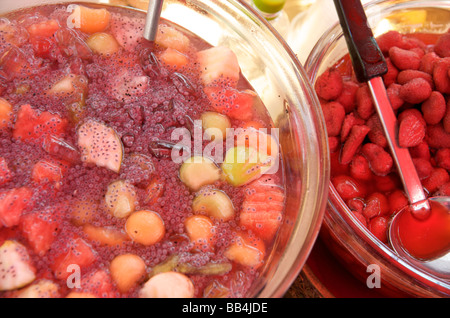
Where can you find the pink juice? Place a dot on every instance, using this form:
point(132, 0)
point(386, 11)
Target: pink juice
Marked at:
point(88, 110)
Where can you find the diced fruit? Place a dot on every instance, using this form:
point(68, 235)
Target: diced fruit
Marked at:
point(103, 43)
point(43, 29)
point(145, 227)
point(200, 230)
point(218, 64)
point(100, 145)
point(40, 230)
point(77, 252)
point(247, 251)
point(127, 270)
point(173, 59)
point(231, 102)
point(215, 125)
point(98, 284)
point(127, 85)
point(214, 203)
point(154, 191)
point(41, 289)
point(48, 172)
point(91, 20)
point(69, 84)
point(15, 266)
point(108, 236)
point(32, 126)
point(5, 173)
point(243, 165)
point(168, 285)
point(169, 37)
point(13, 203)
point(216, 290)
point(5, 114)
point(120, 198)
point(199, 171)
point(262, 209)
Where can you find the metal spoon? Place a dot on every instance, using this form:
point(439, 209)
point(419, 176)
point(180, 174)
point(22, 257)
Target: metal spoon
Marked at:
point(152, 19)
point(369, 66)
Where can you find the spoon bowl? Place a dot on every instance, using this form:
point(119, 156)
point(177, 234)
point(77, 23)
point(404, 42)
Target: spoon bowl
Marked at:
point(425, 243)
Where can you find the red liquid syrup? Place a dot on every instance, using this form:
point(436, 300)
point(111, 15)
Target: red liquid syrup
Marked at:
point(429, 238)
point(143, 100)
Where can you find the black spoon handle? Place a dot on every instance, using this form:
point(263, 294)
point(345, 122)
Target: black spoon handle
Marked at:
point(367, 59)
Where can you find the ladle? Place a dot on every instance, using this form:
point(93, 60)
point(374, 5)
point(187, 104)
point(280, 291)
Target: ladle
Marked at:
point(152, 19)
point(430, 226)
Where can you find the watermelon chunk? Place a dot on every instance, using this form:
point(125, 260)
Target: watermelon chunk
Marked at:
point(13, 203)
point(32, 126)
point(262, 210)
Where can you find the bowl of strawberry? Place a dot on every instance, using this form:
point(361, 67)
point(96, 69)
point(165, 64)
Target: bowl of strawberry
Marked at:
point(366, 191)
point(184, 167)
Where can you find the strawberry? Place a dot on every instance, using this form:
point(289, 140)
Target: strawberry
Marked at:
point(411, 131)
point(12, 204)
point(329, 85)
point(380, 161)
point(262, 209)
point(334, 114)
point(348, 188)
point(39, 230)
point(32, 126)
point(231, 102)
point(77, 252)
point(433, 109)
point(353, 142)
point(378, 226)
point(5, 173)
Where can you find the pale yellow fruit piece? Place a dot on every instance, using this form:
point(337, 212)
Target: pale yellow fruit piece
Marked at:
point(16, 270)
point(215, 125)
point(103, 43)
point(170, 37)
point(199, 171)
point(168, 285)
point(243, 165)
point(120, 198)
point(214, 203)
point(41, 289)
point(218, 63)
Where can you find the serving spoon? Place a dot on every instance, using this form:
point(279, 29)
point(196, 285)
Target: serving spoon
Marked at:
point(152, 19)
point(419, 233)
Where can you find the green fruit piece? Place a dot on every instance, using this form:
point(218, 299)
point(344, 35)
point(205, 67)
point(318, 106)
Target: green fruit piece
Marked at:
point(243, 165)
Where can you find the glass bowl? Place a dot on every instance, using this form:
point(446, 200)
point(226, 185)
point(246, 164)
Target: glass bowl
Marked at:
point(281, 82)
point(353, 245)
